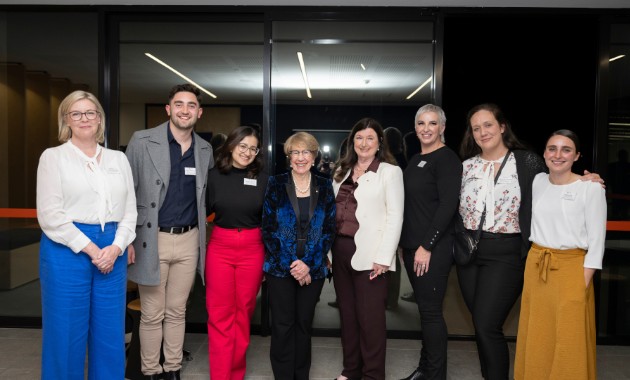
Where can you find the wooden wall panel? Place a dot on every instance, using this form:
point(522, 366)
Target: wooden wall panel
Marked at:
point(37, 126)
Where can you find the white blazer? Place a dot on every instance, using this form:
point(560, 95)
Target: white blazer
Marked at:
point(380, 202)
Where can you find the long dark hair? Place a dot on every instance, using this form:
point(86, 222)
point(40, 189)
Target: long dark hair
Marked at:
point(224, 156)
point(469, 147)
point(350, 158)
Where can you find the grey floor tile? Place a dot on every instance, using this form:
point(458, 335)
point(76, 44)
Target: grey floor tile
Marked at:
point(20, 357)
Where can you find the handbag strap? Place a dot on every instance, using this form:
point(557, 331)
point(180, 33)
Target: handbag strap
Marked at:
point(496, 178)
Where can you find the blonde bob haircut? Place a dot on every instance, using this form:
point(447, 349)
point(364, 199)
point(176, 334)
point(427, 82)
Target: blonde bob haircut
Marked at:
point(65, 133)
point(301, 138)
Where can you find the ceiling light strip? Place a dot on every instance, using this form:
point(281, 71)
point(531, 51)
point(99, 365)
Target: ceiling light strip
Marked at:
point(419, 88)
point(303, 69)
point(616, 58)
point(180, 74)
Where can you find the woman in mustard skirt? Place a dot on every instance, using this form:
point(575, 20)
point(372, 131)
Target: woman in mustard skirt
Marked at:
point(556, 336)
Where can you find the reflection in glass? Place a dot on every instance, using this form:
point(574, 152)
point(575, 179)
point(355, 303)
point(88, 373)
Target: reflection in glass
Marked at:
point(326, 75)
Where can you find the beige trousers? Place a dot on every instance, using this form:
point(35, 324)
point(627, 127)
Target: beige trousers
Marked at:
point(163, 320)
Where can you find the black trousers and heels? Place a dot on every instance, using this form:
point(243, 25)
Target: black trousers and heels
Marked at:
point(490, 286)
point(429, 290)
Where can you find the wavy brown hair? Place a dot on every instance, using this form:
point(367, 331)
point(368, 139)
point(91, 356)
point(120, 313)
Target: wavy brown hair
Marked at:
point(224, 156)
point(350, 158)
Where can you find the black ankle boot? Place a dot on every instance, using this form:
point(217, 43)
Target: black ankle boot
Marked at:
point(153, 377)
point(417, 374)
point(174, 375)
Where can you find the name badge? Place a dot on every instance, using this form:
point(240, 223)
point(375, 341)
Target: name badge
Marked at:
point(190, 171)
point(249, 181)
point(112, 171)
point(421, 164)
point(505, 180)
point(569, 196)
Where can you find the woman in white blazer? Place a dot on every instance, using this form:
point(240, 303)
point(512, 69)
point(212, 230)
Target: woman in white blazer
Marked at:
point(369, 195)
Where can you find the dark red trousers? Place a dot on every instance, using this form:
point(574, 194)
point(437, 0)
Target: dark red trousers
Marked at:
point(362, 311)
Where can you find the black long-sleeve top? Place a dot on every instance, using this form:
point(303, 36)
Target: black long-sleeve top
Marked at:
point(432, 182)
point(235, 199)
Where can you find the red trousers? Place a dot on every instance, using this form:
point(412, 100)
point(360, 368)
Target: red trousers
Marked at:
point(234, 273)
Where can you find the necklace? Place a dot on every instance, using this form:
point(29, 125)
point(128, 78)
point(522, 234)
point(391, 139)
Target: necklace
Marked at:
point(308, 186)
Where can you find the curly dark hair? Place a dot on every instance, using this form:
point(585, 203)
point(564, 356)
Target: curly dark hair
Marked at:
point(469, 147)
point(224, 155)
point(186, 87)
point(350, 158)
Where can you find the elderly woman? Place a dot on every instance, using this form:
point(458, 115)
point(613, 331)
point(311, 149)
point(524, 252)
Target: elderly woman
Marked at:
point(298, 225)
point(86, 207)
point(369, 195)
point(236, 188)
point(556, 330)
point(432, 181)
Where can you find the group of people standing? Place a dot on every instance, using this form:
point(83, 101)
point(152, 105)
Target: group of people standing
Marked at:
point(106, 217)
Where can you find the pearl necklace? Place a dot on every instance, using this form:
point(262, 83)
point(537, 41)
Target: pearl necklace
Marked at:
point(308, 187)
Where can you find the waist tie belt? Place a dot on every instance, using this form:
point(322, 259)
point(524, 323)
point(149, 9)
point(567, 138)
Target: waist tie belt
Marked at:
point(547, 258)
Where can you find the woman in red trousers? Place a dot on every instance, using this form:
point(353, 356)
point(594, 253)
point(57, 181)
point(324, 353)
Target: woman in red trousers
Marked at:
point(234, 260)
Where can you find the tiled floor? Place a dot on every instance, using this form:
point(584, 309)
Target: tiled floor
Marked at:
point(20, 358)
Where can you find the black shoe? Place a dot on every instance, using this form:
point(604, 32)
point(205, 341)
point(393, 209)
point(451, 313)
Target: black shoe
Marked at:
point(153, 377)
point(409, 297)
point(416, 375)
point(333, 304)
point(174, 375)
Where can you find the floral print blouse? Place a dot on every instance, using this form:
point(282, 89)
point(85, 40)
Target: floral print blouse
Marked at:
point(478, 189)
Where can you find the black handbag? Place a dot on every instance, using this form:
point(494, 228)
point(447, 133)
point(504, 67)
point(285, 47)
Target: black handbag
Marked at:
point(466, 241)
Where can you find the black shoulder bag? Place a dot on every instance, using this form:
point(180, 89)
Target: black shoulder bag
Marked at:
point(465, 242)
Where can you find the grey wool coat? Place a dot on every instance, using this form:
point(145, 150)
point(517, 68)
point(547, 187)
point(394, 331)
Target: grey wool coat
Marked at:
point(149, 157)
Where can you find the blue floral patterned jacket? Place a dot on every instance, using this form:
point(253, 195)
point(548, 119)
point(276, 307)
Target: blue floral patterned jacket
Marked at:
point(280, 226)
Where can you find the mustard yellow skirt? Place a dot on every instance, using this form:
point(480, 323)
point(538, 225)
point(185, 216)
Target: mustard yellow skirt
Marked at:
point(556, 330)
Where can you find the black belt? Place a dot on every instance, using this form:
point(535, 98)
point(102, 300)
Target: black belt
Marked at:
point(177, 230)
point(492, 235)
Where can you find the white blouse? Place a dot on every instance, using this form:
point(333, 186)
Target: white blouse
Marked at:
point(478, 189)
point(72, 187)
point(570, 216)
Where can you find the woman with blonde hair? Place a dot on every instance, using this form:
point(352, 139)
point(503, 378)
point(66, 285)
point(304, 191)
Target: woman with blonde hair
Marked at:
point(86, 208)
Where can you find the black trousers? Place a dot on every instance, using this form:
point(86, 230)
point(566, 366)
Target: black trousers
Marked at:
point(490, 286)
point(429, 290)
point(292, 311)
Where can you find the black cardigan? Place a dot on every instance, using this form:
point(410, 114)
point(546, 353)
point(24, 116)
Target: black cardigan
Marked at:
point(528, 165)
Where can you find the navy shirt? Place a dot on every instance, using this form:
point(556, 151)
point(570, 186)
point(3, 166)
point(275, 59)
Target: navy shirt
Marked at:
point(180, 204)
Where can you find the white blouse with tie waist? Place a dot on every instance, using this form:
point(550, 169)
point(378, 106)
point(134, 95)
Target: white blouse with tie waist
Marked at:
point(72, 187)
point(570, 216)
point(478, 190)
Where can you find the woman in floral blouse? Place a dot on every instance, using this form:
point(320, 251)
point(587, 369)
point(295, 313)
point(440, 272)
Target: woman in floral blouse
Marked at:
point(494, 280)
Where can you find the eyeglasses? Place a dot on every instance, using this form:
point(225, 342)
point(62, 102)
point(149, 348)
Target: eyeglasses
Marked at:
point(296, 153)
point(90, 115)
point(244, 148)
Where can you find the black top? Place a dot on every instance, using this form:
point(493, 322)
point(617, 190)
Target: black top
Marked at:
point(304, 204)
point(432, 183)
point(180, 203)
point(235, 199)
